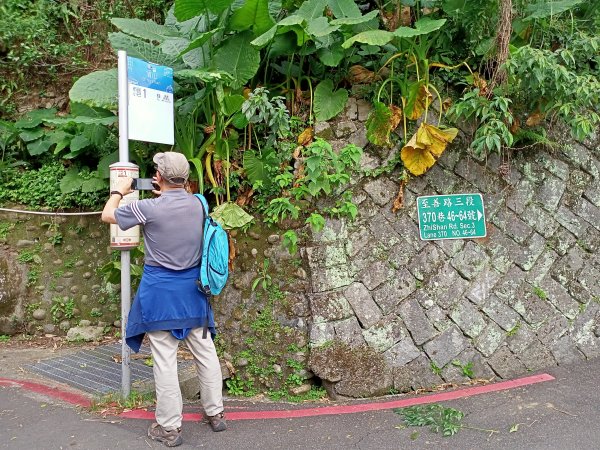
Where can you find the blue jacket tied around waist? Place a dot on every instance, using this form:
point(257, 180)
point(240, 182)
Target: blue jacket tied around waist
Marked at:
point(167, 300)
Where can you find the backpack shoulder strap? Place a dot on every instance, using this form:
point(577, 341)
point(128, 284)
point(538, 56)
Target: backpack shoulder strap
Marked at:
point(207, 233)
point(204, 204)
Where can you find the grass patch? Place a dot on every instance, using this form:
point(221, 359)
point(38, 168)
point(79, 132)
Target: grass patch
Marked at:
point(114, 403)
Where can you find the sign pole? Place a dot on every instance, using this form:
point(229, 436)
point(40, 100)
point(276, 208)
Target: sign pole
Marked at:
point(125, 254)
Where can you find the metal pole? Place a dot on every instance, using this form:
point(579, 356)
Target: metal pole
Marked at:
point(125, 254)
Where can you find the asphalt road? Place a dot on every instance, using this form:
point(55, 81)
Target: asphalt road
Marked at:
point(558, 414)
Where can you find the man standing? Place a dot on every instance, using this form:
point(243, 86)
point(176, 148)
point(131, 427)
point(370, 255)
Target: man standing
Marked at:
point(168, 306)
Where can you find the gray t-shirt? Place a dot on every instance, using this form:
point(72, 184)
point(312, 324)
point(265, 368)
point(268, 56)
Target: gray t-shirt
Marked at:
point(172, 228)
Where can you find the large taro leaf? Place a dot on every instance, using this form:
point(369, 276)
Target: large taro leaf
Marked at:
point(144, 29)
point(79, 109)
point(265, 38)
point(355, 20)
point(231, 215)
point(371, 37)
point(31, 135)
point(327, 102)
point(34, 118)
point(378, 125)
point(290, 23)
point(331, 56)
point(418, 97)
point(205, 76)
point(187, 9)
point(174, 46)
point(255, 15)
point(550, 8)
point(71, 182)
point(256, 166)
point(232, 104)
point(312, 9)
point(198, 42)
point(94, 184)
point(97, 89)
point(77, 145)
point(238, 58)
point(82, 120)
point(104, 164)
point(38, 147)
point(422, 26)
point(344, 8)
point(138, 48)
point(425, 147)
point(320, 27)
point(381, 122)
point(97, 134)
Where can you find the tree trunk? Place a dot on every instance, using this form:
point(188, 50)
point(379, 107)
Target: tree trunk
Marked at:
point(503, 34)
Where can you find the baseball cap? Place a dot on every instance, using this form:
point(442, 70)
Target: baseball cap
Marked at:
point(173, 166)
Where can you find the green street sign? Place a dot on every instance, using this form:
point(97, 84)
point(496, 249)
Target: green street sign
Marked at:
point(457, 216)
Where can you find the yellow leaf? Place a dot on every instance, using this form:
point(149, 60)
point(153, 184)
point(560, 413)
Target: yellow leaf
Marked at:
point(425, 146)
point(423, 138)
point(416, 160)
point(423, 97)
point(440, 138)
point(306, 136)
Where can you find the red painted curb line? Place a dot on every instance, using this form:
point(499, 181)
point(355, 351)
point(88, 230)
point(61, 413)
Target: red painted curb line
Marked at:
point(69, 397)
point(85, 402)
point(349, 409)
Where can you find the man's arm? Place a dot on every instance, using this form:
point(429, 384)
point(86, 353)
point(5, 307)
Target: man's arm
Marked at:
point(124, 188)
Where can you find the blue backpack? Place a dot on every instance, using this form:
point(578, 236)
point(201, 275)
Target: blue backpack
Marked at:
point(214, 265)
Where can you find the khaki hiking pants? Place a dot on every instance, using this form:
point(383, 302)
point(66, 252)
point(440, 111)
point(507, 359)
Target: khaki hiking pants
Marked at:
point(169, 404)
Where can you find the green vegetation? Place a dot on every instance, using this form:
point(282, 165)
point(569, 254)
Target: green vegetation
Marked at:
point(514, 329)
point(114, 402)
point(246, 124)
point(5, 227)
point(253, 79)
point(447, 421)
point(4, 338)
point(62, 308)
point(540, 292)
point(440, 419)
point(467, 369)
point(29, 256)
point(435, 369)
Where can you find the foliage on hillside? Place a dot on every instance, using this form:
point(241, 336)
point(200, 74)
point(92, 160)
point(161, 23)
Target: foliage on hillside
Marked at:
point(253, 76)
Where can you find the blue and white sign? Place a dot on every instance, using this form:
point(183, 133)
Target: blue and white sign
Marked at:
point(150, 102)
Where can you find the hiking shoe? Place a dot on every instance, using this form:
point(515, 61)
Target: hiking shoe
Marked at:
point(171, 438)
point(217, 422)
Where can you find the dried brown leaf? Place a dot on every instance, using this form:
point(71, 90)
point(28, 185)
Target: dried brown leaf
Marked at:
point(534, 119)
point(359, 75)
point(399, 200)
point(396, 117)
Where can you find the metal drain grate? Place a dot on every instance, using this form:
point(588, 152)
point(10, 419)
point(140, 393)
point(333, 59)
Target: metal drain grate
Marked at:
point(93, 370)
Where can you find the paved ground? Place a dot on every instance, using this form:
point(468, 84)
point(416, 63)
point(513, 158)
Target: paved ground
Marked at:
point(557, 414)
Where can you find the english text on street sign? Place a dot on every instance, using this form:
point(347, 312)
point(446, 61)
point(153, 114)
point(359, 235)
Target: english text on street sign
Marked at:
point(150, 98)
point(456, 216)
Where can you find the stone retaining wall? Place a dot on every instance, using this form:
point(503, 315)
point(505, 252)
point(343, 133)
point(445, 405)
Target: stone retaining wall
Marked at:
point(49, 278)
point(392, 313)
point(366, 307)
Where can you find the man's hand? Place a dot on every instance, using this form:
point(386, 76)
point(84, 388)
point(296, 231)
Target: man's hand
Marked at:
point(155, 182)
point(123, 185)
